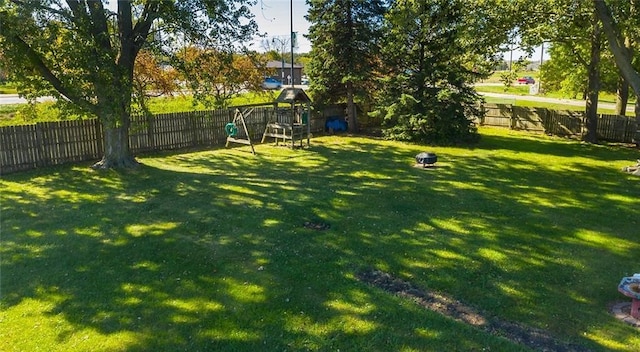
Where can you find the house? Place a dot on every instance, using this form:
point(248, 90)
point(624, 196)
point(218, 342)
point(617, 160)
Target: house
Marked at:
point(275, 70)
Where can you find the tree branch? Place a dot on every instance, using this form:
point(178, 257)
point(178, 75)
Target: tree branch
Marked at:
point(24, 3)
point(623, 61)
point(143, 27)
point(99, 28)
point(46, 73)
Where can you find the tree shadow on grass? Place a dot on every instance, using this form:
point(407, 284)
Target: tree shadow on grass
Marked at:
point(170, 260)
point(208, 250)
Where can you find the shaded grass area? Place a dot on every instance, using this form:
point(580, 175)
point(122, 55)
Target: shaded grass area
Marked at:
point(208, 250)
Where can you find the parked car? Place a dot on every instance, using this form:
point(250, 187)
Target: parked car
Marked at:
point(271, 83)
point(304, 81)
point(526, 80)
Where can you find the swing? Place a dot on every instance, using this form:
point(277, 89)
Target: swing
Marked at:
point(231, 129)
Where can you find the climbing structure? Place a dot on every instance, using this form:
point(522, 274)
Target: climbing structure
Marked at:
point(291, 123)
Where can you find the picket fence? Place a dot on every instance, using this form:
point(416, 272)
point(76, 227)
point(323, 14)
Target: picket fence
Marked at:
point(45, 144)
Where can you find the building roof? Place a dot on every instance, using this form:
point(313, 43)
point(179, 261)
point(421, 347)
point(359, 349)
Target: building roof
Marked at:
point(278, 64)
point(293, 95)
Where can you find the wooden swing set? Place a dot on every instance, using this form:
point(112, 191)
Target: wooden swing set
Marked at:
point(284, 124)
point(236, 136)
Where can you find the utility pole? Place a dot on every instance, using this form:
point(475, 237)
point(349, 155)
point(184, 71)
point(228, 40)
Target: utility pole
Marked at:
point(282, 45)
point(292, 45)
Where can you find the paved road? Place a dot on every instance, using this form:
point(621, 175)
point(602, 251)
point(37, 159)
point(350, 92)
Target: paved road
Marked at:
point(7, 99)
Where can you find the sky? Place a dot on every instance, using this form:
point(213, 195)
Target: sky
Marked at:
point(274, 18)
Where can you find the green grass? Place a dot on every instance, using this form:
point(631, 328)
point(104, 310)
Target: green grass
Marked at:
point(15, 114)
point(206, 251)
point(515, 89)
point(524, 102)
point(8, 88)
point(537, 104)
point(495, 76)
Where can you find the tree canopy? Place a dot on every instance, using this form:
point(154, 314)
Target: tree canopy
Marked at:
point(427, 94)
point(345, 45)
point(84, 52)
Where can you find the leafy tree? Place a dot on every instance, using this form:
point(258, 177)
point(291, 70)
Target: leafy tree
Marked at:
point(572, 26)
point(84, 53)
point(427, 96)
point(623, 58)
point(508, 77)
point(216, 76)
point(621, 21)
point(566, 71)
point(152, 79)
point(344, 55)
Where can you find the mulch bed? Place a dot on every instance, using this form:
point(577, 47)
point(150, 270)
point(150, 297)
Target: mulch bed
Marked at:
point(533, 338)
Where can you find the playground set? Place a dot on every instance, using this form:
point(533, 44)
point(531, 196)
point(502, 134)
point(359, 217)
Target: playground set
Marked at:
point(289, 124)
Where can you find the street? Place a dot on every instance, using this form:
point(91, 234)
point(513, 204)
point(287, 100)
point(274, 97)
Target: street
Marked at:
point(8, 99)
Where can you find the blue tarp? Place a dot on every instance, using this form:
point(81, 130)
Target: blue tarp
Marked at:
point(336, 123)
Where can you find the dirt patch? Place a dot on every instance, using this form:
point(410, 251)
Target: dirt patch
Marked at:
point(533, 338)
point(622, 312)
point(317, 225)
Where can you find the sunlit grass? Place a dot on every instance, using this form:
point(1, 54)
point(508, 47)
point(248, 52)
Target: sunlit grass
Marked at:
point(21, 114)
point(207, 250)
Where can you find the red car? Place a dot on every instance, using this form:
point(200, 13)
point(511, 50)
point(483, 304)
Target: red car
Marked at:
point(526, 80)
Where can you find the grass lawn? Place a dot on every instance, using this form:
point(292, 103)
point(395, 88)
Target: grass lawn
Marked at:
point(206, 251)
point(14, 114)
point(8, 88)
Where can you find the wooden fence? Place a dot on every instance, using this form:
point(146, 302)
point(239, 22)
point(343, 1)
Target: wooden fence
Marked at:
point(53, 143)
point(612, 128)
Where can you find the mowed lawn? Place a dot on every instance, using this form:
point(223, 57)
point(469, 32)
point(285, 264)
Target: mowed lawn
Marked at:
point(207, 251)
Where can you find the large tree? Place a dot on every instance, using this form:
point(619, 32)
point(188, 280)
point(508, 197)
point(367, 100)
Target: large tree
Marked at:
point(572, 27)
point(344, 55)
point(623, 57)
point(83, 51)
point(433, 52)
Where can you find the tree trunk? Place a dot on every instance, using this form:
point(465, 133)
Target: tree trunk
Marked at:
point(621, 56)
point(623, 60)
point(593, 88)
point(351, 106)
point(351, 109)
point(117, 153)
point(622, 93)
point(622, 96)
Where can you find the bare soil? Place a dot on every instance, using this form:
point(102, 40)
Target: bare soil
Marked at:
point(536, 339)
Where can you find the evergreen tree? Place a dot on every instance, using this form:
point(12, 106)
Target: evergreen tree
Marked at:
point(344, 35)
point(427, 96)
